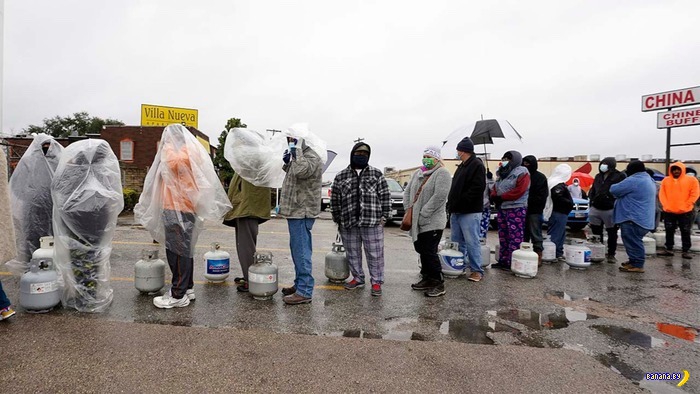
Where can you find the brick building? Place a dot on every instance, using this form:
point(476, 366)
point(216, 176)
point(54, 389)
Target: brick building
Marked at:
point(134, 146)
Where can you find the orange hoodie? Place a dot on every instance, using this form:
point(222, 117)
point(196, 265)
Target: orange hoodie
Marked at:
point(678, 195)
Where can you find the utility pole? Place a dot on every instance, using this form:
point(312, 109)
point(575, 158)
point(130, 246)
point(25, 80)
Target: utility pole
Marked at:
point(273, 131)
point(359, 139)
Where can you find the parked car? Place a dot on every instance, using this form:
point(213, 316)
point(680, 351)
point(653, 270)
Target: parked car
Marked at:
point(397, 210)
point(326, 195)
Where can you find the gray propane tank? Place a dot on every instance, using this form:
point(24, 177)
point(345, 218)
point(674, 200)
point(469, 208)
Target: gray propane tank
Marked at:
point(262, 277)
point(45, 251)
point(39, 291)
point(337, 267)
point(149, 272)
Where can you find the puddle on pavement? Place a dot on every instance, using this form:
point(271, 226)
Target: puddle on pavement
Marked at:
point(679, 331)
point(630, 337)
point(538, 321)
point(567, 296)
point(612, 361)
point(468, 331)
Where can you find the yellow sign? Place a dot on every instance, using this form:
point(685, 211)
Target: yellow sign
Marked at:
point(157, 115)
point(204, 143)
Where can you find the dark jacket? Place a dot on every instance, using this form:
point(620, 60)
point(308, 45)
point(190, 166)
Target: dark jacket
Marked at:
point(561, 199)
point(538, 188)
point(468, 185)
point(360, 200)
point(599, 195)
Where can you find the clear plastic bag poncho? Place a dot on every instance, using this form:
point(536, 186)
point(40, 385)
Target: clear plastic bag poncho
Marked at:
point(257, 158)
point(87, 197)
point(30, 195)
point(181, 190)
point(561, 174)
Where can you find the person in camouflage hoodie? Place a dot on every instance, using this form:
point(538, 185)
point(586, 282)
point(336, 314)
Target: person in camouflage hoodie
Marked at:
point(361, 205)
point(300, 203)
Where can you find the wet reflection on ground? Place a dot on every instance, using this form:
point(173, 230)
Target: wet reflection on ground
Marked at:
point(630, 337)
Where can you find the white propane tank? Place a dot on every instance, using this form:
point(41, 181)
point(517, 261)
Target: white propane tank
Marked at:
point(218, 264)
point(660, 238)
point(597, 249)
point(549, 252)
point(678, 242)
point(337, 267)
point(452, 260)
point(485, 253)
point(577, 256)
point(524, 261)
point(39, 291)
point(149, 272)
point(497, 251)
point(619, 237)
point(694, 242)
point(649, 246)
point(45, 251)
point(262, 277)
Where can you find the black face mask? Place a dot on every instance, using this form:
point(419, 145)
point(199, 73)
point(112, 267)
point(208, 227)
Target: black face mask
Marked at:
point(359, 161)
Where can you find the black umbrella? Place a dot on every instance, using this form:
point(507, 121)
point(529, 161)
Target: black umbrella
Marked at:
point(484, 131)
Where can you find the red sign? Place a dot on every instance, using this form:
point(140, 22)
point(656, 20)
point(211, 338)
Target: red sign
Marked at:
point(672, 99)
point(678, 118)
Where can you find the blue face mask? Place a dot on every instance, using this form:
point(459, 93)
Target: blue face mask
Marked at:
point(603, 168)
point(504, 163)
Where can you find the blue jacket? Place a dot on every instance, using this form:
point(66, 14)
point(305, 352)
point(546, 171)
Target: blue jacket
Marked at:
point(635, 200)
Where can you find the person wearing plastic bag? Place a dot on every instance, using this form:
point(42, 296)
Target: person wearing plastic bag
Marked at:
point(180, 191)
point(300, 203)
point(251, 207)
point(360, 206)
point(510, 194)
point(87, 198)
point(32, 207)
point(559, 204)
point(429, 218)
point(8, 248)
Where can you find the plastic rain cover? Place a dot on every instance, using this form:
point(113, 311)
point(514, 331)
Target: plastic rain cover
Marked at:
point(87, 196)
point(30, 196)
point(181, 190)
point(561, 174)
point(258, 158)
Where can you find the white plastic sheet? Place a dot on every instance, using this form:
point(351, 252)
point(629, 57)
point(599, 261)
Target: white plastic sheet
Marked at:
point(181, 190)
point(257, 157)
point(561, 174)
point(30, 195)
point(87, 197)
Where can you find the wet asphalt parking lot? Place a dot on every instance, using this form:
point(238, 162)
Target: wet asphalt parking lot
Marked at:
point(630, 324)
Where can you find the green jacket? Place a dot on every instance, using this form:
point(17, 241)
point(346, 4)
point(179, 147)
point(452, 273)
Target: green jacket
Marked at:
point(248, 200)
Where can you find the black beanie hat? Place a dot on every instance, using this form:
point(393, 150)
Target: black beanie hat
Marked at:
point(466, 145)
point(634, 167)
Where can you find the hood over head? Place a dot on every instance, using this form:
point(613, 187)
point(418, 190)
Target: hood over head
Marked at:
point(611, 162)
point(516, 158)
point(361, 146)
point(531, 161)
point(679, 165)
point(634, 167)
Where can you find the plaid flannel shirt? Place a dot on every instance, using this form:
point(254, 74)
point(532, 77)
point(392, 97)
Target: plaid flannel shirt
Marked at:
point(360, 200)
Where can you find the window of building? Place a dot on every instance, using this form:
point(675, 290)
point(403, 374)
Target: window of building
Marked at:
point(126, 150)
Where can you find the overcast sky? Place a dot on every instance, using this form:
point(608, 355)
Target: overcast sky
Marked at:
point(569, 75)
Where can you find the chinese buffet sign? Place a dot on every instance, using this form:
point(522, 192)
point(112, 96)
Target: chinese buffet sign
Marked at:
point(674, 99)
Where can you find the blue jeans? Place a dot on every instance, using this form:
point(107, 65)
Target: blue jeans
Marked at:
point(466, 228)
point(632, 235)
point(556, 228)
point(300, 246)
point(4, 301)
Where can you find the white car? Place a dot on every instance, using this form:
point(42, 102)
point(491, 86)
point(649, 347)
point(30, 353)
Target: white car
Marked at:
point(326, 195)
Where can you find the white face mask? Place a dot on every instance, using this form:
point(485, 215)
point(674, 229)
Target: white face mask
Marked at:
point(603, 168)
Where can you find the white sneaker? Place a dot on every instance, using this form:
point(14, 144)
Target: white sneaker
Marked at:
point(167, 302)
point(190, 294)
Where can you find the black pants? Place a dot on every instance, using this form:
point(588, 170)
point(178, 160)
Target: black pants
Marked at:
point(682, 221)
point(426, 245)
point(179, 230)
